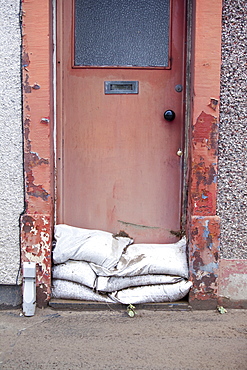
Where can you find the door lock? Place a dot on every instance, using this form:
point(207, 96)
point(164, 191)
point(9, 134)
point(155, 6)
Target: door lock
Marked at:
point(179, 152)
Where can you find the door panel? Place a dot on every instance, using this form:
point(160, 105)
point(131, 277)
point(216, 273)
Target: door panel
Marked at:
point(117, 162)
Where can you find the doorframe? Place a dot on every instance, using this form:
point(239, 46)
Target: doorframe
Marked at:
point(201, 141)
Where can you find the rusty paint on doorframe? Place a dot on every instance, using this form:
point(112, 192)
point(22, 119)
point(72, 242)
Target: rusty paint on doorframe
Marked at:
point(36, 222)
point(36, 247)
point(204, 258)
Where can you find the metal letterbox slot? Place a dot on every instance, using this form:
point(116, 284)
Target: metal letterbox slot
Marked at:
point(121, 87)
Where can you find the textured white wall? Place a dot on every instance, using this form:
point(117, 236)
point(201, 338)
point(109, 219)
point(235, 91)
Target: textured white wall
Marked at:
point(232, 195)
point(11, 163)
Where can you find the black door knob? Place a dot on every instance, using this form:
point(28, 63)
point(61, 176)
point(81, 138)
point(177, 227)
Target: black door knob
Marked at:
point(169, 115)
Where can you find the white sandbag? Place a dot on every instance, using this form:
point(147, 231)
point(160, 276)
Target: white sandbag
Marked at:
point(77, 271)
point(145, 259)
point(152, 293)
point(99, 247)
point(110, 284)
point(64, 289)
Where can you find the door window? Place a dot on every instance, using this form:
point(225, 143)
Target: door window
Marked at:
point(122, 33)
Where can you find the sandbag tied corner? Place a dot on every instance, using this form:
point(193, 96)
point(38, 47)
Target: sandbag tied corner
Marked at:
point(96, 265)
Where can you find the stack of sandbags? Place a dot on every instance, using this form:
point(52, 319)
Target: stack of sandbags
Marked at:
point(98, 266)
point(75, 249)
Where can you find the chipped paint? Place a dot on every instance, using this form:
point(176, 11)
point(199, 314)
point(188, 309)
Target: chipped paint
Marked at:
point(36, 224)
point(204, 165)
point(32, 159)
point(204, 258)
point(26, 86)
point(25, 59)
point(35, 190)
point(205, 131)
point(36, 247)
point(213, 103)
point(45, 120)
point(204, 229)
point(210, 267)
point(204, 226)
point(36, 86)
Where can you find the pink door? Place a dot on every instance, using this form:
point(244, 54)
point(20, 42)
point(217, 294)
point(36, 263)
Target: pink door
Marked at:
point(120, 66)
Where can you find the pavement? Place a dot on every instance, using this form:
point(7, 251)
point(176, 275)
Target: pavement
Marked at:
point(110, 339)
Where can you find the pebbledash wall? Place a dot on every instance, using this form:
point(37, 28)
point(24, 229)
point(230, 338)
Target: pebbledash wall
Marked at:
point(11, 150)
point(216, 135)
point(232, 181)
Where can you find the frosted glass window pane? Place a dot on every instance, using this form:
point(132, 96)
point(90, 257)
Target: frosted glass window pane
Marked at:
point(122, 32)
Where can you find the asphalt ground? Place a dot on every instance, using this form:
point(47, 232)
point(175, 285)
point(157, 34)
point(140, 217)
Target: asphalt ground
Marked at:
point(110, 339)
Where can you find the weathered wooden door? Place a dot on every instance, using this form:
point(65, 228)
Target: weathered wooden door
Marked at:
point(120, 66)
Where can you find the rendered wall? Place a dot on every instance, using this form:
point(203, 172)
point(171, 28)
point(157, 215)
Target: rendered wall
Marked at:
point(11, 163)
point(232, 183)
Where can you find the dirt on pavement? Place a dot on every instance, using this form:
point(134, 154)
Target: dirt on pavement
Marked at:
point(110, 340)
